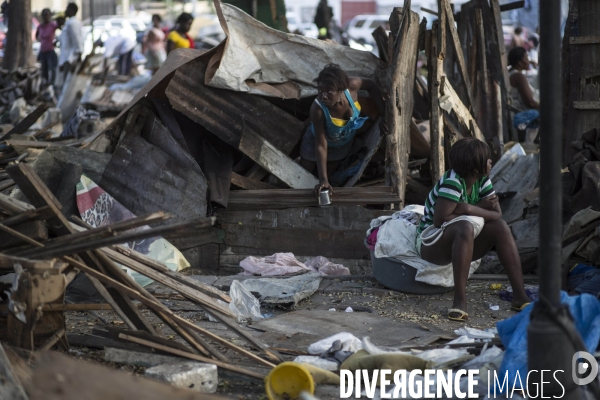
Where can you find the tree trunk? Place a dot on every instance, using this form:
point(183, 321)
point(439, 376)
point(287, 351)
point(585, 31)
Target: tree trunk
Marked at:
point(18, 50)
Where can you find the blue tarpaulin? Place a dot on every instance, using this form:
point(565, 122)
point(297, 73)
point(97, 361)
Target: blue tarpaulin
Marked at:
point(513, 333)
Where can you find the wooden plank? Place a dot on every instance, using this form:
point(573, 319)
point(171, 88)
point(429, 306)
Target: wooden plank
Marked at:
point(26, 122)
point(160, 277)
point(273, 160)
point(587, 105)
point(305, 242)
point(11, 387)
point(399, 107)
point(500, 50)
point(79, 247)
point(436, 123)
point(584, 40)
point(445, 6)
point(34, 229)
point(59, 377)
point(249, 184)
point(451, 101)
point(191, 356)
point(483, 69)
point(158, 266)
point(289, 198)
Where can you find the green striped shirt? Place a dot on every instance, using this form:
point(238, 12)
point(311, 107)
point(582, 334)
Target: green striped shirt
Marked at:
point(452, 187)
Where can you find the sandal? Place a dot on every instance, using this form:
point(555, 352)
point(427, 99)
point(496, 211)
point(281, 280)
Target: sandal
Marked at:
point(519, 309)
point(464, 316)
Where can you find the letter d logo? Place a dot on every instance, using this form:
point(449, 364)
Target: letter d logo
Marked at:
point(581, 368)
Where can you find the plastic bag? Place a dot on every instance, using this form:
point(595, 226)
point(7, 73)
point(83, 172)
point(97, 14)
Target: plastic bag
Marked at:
point(349, 343)
point(243, 303)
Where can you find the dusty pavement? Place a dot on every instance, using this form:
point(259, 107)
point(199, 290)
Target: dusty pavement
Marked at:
point(388, 318)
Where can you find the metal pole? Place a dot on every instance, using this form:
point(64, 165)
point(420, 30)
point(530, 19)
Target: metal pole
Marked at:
point(550, 151)
point(552, 337)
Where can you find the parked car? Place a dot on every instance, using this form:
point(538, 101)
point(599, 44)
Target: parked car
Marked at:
point(292, 22)
point(119, 26)
point(34, 25)
point(361, 27)
point(309, 29)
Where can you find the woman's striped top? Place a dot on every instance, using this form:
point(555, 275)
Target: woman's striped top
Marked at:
point(452, 187)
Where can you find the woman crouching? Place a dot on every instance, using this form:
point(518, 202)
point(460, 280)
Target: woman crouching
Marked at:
point(466, 190)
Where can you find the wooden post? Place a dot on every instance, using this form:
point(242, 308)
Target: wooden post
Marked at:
point(444, 5)
point(436, 123)
point(504, 83)
point(399, 107)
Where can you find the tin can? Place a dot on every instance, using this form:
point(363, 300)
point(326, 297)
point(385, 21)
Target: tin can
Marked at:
point(324, 198)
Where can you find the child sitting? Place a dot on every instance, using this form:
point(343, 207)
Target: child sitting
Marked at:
point(465, 190)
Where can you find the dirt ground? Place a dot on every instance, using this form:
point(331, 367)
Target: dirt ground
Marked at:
point(363, 294)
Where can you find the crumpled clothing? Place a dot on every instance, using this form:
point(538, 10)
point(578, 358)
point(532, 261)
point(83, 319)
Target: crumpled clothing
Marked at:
point(508, 296)
point(281, 264)
point(81, 114)
point(326, 267)
point(396, 239)
point(372, 239)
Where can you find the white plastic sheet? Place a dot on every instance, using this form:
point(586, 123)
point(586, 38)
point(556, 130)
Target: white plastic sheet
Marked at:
point(261, 60)
point(349, 343)
point(243, 303)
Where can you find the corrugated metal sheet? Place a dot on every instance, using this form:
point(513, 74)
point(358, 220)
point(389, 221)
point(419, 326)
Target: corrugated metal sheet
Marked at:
point(148, 177)
point(225, 112)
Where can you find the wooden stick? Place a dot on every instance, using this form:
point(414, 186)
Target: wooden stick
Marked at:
point(194, 295)
point(150, 302)
point(191, 356)
point(158, 266)
point(445, 6)
point(99, 233)
point(127, 237)
point(56, 336)
point(436, 68)
point(40, 213)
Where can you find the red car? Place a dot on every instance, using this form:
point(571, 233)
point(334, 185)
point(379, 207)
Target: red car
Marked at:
point(34, 25)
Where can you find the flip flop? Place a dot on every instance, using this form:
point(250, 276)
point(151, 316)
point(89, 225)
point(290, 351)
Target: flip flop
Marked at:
point(519, 309)
point(464, 316)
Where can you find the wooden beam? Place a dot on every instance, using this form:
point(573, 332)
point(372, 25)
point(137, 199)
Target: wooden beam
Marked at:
point(399, 106)
point(500, 50)
point(436, 123)
point(191, 356)
point(26, 122)
point(273, 160)
point(187, 291)
point(584, 40)
point(445, 6)
point(587, 105)
point(451, 102)
point(288, 198)
point(248, 183)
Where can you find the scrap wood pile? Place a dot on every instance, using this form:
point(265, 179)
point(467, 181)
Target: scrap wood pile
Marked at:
point(42, 252)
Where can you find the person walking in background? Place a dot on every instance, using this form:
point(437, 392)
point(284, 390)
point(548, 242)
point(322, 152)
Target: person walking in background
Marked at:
point(517, 38)
point(47, 56)
point(71, 41)
point(154, 45)
point(178, 38)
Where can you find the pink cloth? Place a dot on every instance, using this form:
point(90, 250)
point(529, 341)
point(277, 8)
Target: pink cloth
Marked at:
point(372, 239)
point(46, 34)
